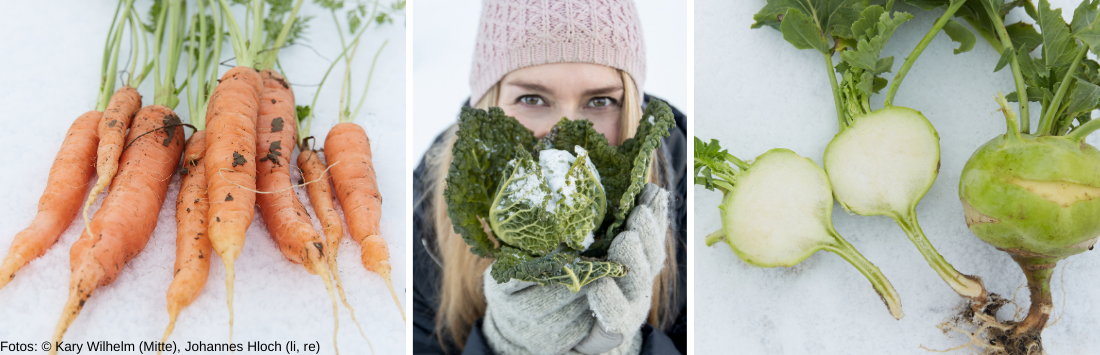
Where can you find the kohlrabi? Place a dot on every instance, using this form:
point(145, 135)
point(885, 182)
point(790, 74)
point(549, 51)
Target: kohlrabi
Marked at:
point(883, 161)
point(553, 204)
point(777, 211)
point(1036, 195)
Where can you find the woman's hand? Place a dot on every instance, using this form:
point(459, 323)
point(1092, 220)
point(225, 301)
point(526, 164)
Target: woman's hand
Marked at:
point(602, 316)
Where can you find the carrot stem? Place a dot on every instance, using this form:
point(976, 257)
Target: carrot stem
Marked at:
point(366, 89)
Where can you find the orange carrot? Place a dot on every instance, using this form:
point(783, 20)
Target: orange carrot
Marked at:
point(68, 179)
point(123, 224)
point(231, 166)
point(320, 196)
point(192, 245)
point(284, 214)
point(112, 133)
point(349, 153)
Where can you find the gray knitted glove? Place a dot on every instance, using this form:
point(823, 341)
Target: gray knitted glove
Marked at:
point(521, 318)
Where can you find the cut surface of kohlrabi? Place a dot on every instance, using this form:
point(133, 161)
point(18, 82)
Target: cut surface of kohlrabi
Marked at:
point(883, 163)
point(777, 211)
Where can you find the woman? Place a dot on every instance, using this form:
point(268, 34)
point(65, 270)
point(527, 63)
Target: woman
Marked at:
point(540, 61)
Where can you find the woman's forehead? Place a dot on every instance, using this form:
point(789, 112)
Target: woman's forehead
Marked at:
point(565, 78)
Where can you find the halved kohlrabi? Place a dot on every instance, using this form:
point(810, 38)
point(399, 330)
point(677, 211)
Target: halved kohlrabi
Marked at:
point(882, 164)
point(777, 211)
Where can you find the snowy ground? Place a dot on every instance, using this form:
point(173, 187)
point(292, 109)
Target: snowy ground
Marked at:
point(444, 38)
point(52, 60)
point(754, 91)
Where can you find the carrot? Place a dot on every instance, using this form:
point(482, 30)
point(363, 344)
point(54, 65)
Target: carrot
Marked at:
point(112, 132)
point(284, 214)
point(68, 179)
point(348, 149)
point(320, 197)
point(138, 190)
point(192, 244)
point(231, 165)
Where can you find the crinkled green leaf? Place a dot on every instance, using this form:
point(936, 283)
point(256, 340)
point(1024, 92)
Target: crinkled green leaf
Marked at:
point(486, 142)
point(518, 215)
point(480, 169)
point(565, 268)
point(622, 169)
point(582, 208)
point(712, 165)
point(873, 30)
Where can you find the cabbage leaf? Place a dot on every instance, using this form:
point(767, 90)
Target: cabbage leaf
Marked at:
point(495, 179)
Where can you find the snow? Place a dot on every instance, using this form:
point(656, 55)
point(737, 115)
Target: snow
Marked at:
point(588, 240)
point(529, 188)
point(555, 165)
point(781, 98)
point(274, 299)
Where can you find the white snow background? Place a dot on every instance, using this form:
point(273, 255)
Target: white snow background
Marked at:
point(754, 92)
point(445, 34)
point(51, 55)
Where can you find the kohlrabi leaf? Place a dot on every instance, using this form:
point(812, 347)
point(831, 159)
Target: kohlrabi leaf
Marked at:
point(519, 214)
point(801, 31)
point(861, 66)
point(1085, 24)
point(1024, 36)
point(961, 35)
point(1058, 46)
point(712, 166)
point(583, 204)
point(974, 13)
point(1084, 98)
point(873, 30)
point(566, 268)
point(485, 143)
point(812, 21)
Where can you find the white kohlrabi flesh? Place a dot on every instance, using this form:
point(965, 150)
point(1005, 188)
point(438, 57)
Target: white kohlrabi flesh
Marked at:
point(883, 163)
point(778, 211)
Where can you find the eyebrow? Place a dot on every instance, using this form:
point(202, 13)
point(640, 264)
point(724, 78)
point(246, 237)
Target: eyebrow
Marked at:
point(536, 87)
point(602, 91)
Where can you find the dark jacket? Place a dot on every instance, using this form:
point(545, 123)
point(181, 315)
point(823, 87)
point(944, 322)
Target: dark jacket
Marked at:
point(426, 271)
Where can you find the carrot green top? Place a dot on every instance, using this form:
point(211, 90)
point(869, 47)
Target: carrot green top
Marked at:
point(110, 51)
point(204, 48)
point(170, 19)
point(359, 19)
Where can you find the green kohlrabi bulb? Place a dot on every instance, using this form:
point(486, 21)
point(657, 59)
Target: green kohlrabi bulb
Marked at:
point(1035, 197)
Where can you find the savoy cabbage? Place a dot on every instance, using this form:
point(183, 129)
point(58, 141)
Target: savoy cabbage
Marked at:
point(554, 205)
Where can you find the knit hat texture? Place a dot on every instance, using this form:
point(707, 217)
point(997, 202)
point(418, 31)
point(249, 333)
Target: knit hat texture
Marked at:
point(514, 34)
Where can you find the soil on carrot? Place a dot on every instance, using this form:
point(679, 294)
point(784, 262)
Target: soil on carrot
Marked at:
point(987, 334)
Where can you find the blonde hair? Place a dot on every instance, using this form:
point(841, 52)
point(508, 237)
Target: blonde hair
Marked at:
point(461, 302)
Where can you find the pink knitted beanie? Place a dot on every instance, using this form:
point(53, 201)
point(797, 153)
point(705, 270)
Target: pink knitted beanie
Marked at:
point(514, 34)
